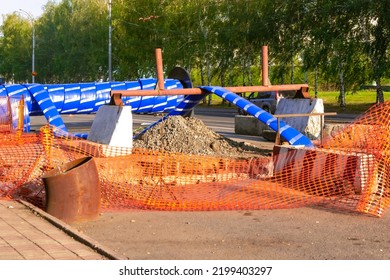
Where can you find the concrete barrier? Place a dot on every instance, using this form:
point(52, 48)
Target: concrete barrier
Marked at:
point(309, 126)
point(248, 125)
point(113, 126)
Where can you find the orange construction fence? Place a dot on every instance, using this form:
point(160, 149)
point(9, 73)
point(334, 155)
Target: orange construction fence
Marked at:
point(349, 172)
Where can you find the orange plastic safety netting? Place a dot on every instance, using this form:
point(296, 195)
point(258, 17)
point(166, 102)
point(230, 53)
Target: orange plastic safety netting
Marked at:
point(349, 172)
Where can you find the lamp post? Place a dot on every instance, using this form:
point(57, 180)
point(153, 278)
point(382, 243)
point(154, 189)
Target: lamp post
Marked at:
point(33, 73)
point(109, 42)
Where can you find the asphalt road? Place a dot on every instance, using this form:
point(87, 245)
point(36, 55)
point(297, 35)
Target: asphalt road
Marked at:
point(306, 233)
point(219, 119)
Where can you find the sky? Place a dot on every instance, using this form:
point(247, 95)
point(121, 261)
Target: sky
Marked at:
point(33, 7)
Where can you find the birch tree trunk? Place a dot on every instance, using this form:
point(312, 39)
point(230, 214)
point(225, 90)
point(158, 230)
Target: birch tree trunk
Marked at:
point(342, 89)
point(379, 92)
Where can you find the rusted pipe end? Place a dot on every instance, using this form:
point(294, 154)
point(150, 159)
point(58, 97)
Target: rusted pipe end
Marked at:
point(116, 99)
point(264, 66)
point(73, 190)
point(159, 67)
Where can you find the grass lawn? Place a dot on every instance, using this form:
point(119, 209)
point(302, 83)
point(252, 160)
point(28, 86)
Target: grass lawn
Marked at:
point(357, 102)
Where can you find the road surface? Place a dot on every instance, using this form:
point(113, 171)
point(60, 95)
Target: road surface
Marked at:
point(218, 119)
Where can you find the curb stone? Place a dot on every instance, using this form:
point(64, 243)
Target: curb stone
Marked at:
point(108, 253)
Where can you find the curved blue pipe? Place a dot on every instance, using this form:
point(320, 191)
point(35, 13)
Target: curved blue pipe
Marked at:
point(15, 92)
point(44, 101)
point(293, 136)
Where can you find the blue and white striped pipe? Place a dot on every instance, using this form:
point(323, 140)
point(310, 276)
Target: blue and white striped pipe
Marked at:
point(293, 136)
point(54, 99)
point(16, 91)
point(44, 101)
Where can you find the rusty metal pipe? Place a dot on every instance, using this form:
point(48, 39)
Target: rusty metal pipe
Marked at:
point(160, 71)
point(191, 91)
point(264, 66)
point(73, 190)
point(268, 88)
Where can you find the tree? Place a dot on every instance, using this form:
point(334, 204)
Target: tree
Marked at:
point(340, 42)
point(72, 41)
point(335, 52)
point(374, 33)
point(138, 31)
point(16, 48)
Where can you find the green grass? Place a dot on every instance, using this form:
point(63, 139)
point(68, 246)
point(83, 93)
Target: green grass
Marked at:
point(356, 103)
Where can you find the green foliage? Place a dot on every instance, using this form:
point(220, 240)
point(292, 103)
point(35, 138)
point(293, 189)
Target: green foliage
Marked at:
point(15, 48)
point(72, 42)
point(333, 44)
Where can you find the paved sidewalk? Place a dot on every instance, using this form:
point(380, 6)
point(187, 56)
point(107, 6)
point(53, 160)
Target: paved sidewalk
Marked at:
point(28, 233)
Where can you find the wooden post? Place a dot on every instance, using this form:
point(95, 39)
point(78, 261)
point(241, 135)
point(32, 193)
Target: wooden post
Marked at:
point(21, 114)
point(277, 137)
point(9, 113)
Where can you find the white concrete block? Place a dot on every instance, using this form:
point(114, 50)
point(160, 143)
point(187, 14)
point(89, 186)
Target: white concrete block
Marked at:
point(113, 126)
point(310, 126)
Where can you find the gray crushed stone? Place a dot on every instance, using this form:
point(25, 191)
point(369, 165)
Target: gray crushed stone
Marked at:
point(190, 135)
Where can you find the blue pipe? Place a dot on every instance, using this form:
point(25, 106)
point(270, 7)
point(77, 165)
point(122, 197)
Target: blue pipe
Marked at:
point(85, 98)
point(15, 92)
point(53, 100)
point(293, 136)
point(49, 110)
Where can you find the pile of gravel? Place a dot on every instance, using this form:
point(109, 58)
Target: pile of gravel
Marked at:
point(191, 136)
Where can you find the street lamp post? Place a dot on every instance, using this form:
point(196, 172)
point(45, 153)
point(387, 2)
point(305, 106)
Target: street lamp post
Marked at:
point(109, 42)
point(33, 73)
